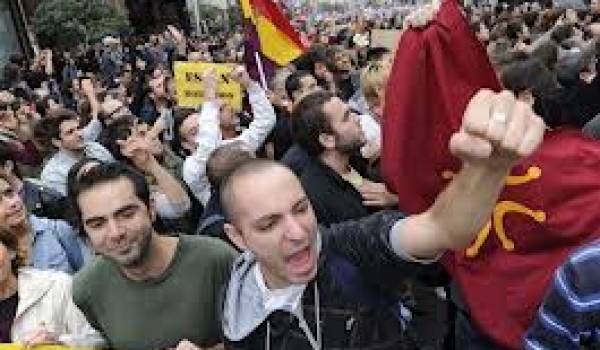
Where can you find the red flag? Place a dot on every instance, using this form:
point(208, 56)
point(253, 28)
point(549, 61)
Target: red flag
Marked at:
point(545, 211)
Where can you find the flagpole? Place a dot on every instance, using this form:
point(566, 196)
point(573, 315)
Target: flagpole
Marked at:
point(261, 72)
point(197, 13)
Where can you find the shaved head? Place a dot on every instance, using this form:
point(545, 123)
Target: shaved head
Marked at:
point(236, 183)
point(269, 214)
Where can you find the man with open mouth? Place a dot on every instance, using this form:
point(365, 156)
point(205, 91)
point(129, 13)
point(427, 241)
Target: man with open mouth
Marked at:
point(298, 286)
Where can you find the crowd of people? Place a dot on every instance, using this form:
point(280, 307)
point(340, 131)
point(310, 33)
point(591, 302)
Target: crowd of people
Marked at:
point(129, 222)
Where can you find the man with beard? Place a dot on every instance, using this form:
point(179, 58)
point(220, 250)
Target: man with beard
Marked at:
point(336, 181)
point(145, 291)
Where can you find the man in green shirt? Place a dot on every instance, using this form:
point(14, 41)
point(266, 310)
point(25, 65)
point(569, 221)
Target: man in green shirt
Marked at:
point(144, 291)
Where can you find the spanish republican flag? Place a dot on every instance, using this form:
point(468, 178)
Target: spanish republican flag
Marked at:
point(547, 209)
point(278, 41)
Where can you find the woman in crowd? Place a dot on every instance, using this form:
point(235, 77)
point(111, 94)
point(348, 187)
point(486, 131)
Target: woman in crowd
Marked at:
point(35, 305)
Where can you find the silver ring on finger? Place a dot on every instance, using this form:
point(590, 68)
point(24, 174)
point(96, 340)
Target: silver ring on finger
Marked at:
point(499, 117)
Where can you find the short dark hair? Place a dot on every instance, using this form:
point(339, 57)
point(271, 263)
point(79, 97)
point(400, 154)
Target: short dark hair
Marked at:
point(179, 116)
point(5, 154)
point(318, 54)
point(547, 53)
point(514, 29)
point(101, 174)
point(48, 128)
point(377, 53)
point(530, 74)
point(562, 33)
point(309, 121)
point(224, 160)
point(530, 18)
point(252, 166)
point(119, 129)
point(293, 83)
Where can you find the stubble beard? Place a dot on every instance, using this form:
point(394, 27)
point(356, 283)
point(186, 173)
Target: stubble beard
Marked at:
point(140, 253)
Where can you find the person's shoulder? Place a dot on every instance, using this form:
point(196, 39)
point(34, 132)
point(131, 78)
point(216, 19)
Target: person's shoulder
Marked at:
point(46, 224)
point(205, 243)
point(318, 177)
point(293, 155)
point(208, 248)
point(56, 285)
point(188, 165)
point(94, 146)
point(97, 270)
point(36, 186)
point(52, 165)
point(36, 276)
point(38, 222)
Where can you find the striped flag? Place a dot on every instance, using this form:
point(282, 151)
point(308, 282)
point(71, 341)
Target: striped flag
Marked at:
point(268, 32)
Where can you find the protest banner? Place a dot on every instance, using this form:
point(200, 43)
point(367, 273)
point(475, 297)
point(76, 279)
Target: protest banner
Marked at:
point(189, 89)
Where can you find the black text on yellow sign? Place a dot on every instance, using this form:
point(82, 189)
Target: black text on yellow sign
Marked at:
point(188, 84)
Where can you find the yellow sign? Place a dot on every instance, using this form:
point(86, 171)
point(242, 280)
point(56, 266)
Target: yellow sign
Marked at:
point(188, 83)
point(385, 38)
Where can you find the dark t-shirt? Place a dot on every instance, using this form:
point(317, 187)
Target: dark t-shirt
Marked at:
point(8, 311)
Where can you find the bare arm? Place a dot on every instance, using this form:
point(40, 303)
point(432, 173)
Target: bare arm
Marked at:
point(93, 129)
point(174, 201)
point(87, 87)
point(497, 132)
point(178, 199)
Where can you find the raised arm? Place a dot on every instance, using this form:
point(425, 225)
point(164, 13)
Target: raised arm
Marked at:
point(93, 129)
point(264, 117)
point(497, 132)
point(208, 138)
point(172, 201)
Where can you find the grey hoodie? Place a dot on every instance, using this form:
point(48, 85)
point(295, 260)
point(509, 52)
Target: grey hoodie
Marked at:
point(244, 309)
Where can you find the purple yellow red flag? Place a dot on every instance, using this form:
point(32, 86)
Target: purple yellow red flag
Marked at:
point(274, 36)
point(547, 209)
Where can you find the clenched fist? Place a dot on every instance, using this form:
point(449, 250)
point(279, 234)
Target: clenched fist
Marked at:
point(497, 131)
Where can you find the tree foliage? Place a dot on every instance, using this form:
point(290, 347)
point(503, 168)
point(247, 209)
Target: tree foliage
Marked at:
point(63, 24)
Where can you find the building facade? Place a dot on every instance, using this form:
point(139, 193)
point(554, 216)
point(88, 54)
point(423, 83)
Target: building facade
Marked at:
point(13, 35)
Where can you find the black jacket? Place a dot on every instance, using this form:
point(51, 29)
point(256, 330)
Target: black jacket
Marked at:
point(296, 159)
point(358, 284)
point(574, 104)
point(333, 198)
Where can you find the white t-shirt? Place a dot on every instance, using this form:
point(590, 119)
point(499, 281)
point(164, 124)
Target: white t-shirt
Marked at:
point(286, 299)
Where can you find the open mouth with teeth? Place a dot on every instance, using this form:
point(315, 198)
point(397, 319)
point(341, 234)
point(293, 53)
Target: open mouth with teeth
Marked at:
point(301, 263)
